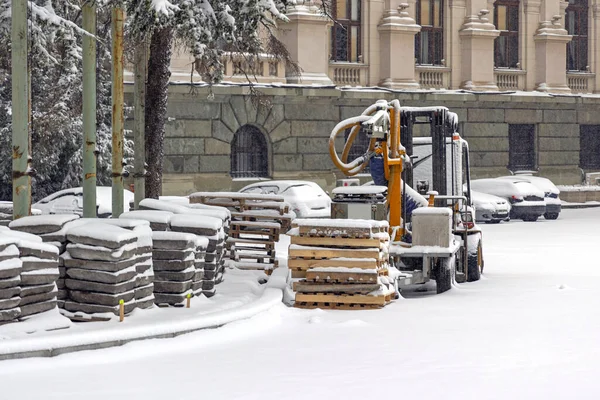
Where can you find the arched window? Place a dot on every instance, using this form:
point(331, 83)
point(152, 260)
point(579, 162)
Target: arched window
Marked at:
point(506, 46)
point(249, 153)
point(576, 22)
point(429, 43)
point(345, 32)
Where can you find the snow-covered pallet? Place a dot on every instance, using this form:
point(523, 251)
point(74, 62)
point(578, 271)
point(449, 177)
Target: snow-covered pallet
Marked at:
point(340, 228)
point(344, 263)
point(242, 201)
point(284, 220)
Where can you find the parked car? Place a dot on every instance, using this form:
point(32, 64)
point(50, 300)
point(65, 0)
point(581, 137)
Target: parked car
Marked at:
point(526, 201)
point(489, 208)
point(70, 201)
point(551, 192)
point(306, 198)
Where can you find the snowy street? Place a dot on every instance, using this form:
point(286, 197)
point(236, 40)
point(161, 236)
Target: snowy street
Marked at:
point(528, 330)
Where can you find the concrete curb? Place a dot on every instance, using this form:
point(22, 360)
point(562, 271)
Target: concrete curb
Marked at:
point(579, 205)
point(120, 335)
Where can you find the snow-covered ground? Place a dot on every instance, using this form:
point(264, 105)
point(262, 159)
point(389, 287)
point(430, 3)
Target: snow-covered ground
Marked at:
point(528, 330)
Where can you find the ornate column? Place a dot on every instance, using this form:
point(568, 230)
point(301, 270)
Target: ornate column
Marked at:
point(551, 51)
point(452, 51)
point(397, 32)
point(306, 36)
point(477, 48)
point(594, 43)
point(530, 18)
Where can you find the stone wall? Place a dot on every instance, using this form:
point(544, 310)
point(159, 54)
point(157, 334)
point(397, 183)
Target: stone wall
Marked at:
point(299, 120)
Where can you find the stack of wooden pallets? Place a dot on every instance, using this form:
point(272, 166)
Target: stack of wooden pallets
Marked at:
point(342, 264)
point(257, 220)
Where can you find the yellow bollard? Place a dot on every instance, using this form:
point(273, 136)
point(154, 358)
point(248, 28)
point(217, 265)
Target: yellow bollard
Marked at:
point(187, 304)
point(121, 310)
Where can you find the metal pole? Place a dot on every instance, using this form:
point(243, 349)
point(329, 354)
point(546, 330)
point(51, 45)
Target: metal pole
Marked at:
point(117, 110)
point(89, 110)
point(139, 104)
point(20, 112)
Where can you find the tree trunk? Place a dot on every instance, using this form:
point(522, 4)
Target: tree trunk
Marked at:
point(157, 92)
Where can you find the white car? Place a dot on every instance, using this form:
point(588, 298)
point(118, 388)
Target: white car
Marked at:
point(490, 208)
point(306, 198)
point(70, 201)
point(551, 192)
point(527, 201)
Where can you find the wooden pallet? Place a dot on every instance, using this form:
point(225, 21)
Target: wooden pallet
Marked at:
point(250, 243)
point(343, 298)
point(242, 201)
point(306, 263)
point(284, 220)
point(335, 288)
point(328, 253)
point(336, 306)
point(340, 277)
point(339, 242)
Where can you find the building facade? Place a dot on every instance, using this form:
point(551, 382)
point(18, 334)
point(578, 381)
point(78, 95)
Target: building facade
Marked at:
point(527, 70)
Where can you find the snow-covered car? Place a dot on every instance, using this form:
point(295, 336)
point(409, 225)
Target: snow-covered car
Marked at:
point(490, 208)
point(70, 201)
point(306, 198)
point(526, 201)
point(551, 192)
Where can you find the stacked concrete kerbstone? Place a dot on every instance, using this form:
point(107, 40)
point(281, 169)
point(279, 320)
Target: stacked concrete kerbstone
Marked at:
point(52, 230)
point(144, 281)
point(100, 264)
point(211, 228)
point(10, 279)
point(6, 212)
point(174, 260)
point(198, 282)
point(39, 275)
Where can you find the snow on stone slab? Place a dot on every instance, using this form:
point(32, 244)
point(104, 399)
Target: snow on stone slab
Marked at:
point(61, 235)
point(99, 253)
point(127, 223)
point(154, 216)
point(9, 252)
point(39, 224)
point(160, 205)
point(99, 234)
point(196, 221)
point(11, 264)
point(170, 240)
point(38, 249)
point(19, 236)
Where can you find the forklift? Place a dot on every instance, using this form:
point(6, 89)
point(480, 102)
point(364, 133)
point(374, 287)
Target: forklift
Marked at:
point(420, 165)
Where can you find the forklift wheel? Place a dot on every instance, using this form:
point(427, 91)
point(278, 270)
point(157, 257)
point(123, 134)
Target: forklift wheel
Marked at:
point(444, 274)
point(475, 264)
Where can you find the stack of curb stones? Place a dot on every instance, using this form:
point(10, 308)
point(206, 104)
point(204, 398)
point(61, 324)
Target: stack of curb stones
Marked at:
point(100, 264)
point(10, 279)
point(144, 281)
point(211, 228)
point(174, 260)
point(39, 275)
point(6, 212)
point(198, 282)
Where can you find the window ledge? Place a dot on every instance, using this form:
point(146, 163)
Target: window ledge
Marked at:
point(426, 67)
point(510, 71)
point(581, 73)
